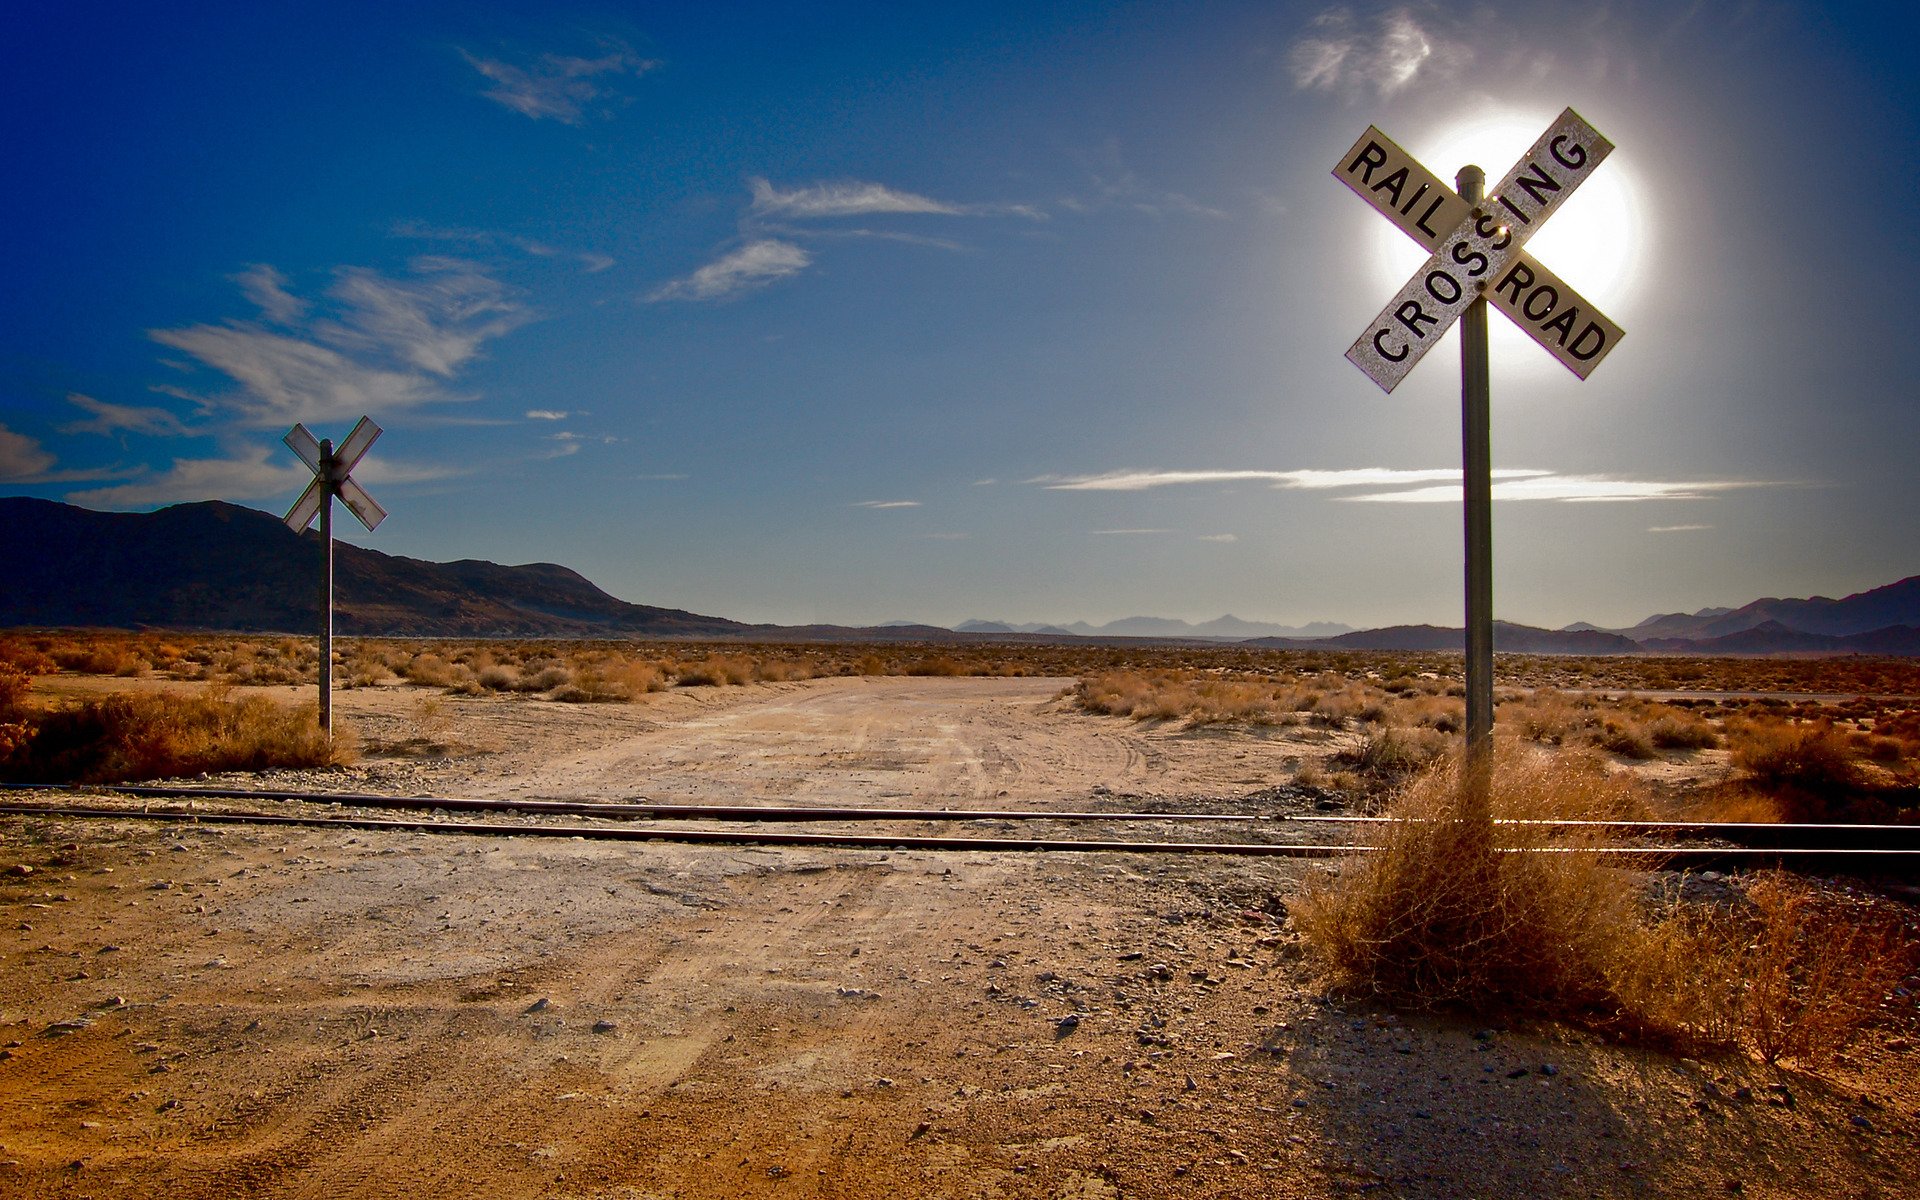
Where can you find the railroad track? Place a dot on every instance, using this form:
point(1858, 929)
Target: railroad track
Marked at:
point(1868, 849)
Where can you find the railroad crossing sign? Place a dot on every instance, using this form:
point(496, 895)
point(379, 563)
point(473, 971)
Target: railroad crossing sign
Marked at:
point(1477, 251)
point(1477, 255)
point(332, 476)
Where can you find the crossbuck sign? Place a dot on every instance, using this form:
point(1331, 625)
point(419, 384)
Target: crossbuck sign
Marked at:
point(1476, 242)
point(1477, 251)
point(332, 476)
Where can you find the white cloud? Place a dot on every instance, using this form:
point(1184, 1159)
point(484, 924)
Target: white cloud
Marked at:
point(556, 86)
point(1566, 489)
point(1676, 528)
point(546, 414)
point(390, 345)
point(108, 419)
point(753, 265)
point(250, 474)
point(1220, 537)
point(267, 288)
point(1338, 54)
point(1510, 483)
point(887, 504)
point(435, 321)
point(1140, 480)
point(22, 458)
point(593, 263)
point(847, 198)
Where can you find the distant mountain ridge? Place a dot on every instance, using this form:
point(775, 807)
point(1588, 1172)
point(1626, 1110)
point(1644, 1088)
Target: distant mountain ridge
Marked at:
point(214, 565)
point(1863, 612)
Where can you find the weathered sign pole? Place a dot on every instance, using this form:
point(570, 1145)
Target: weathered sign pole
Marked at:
point(1476, 482)
point(1476, 240)
point(332, 476)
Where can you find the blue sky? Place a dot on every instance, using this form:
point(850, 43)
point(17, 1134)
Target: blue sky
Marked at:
point(849, 313)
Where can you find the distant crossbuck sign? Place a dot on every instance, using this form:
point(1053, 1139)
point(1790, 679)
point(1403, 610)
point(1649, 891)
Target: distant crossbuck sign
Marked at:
point(1477, 251)
point(333, 475)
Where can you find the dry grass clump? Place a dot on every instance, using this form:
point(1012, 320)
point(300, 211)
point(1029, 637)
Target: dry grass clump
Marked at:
point(154, 736)
point(1444, 911)
point(1784, 971)
point(1203, 698)
point(1393, 754)
point(1815, 771)
point(1510, 916)
point(1630, 727)
point(715, 670)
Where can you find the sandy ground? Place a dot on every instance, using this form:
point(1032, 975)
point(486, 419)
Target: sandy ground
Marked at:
point(212, 1012)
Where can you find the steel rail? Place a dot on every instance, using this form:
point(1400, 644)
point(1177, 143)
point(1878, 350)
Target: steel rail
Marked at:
point(631, 808)
point(1805, 836)
point(1904, 862)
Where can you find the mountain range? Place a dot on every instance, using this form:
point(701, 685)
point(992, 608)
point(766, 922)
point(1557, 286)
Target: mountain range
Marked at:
point(214, 565)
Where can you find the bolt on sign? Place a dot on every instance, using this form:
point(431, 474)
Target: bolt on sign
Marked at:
point(1477, 250)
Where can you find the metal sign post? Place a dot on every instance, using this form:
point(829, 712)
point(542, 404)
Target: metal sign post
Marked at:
point(332, 476)
point(1477, 241)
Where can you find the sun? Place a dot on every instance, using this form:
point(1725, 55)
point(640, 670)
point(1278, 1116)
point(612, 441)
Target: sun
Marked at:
point(1596, 240)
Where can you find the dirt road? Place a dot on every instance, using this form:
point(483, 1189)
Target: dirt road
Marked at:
point(219, 1012)
point(967, 742)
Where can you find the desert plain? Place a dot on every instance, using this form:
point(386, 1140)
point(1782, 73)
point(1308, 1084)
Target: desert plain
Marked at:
point(194, 1010)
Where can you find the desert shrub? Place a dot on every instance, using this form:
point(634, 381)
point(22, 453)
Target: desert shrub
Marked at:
point(429, 670)
point(123, 737)
point(1395, 753)
point(1443, 910)
point(1810, 770)
point(1473, 913)
point(1677, 729)
point(716, 670)
point(1625, 737)
point(497, 677)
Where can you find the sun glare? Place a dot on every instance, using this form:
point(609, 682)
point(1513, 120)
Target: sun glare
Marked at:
point(1594, 242)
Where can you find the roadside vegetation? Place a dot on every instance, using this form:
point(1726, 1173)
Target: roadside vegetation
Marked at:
point(1780, 739)
point(1444, 913)
point(156, 735)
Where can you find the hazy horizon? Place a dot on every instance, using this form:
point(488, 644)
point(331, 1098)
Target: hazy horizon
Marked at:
point(1020, 313)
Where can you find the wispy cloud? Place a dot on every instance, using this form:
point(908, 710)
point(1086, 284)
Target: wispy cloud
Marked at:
point(560, 87)
point(591, 262)
point(1340, 53)
point(390, 344)
point(1140, 480)
point(887, 504)
point(1676, 528)
point(249, 474)
point(1220, 537)
point(108, 419)
point(545, 414)
point(22, 458)
point(1510, 483)
point(1568, 489)
point(753, 265)
point(776, 217)
point(846, 198)
point(245, 473)
point(267, 288)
